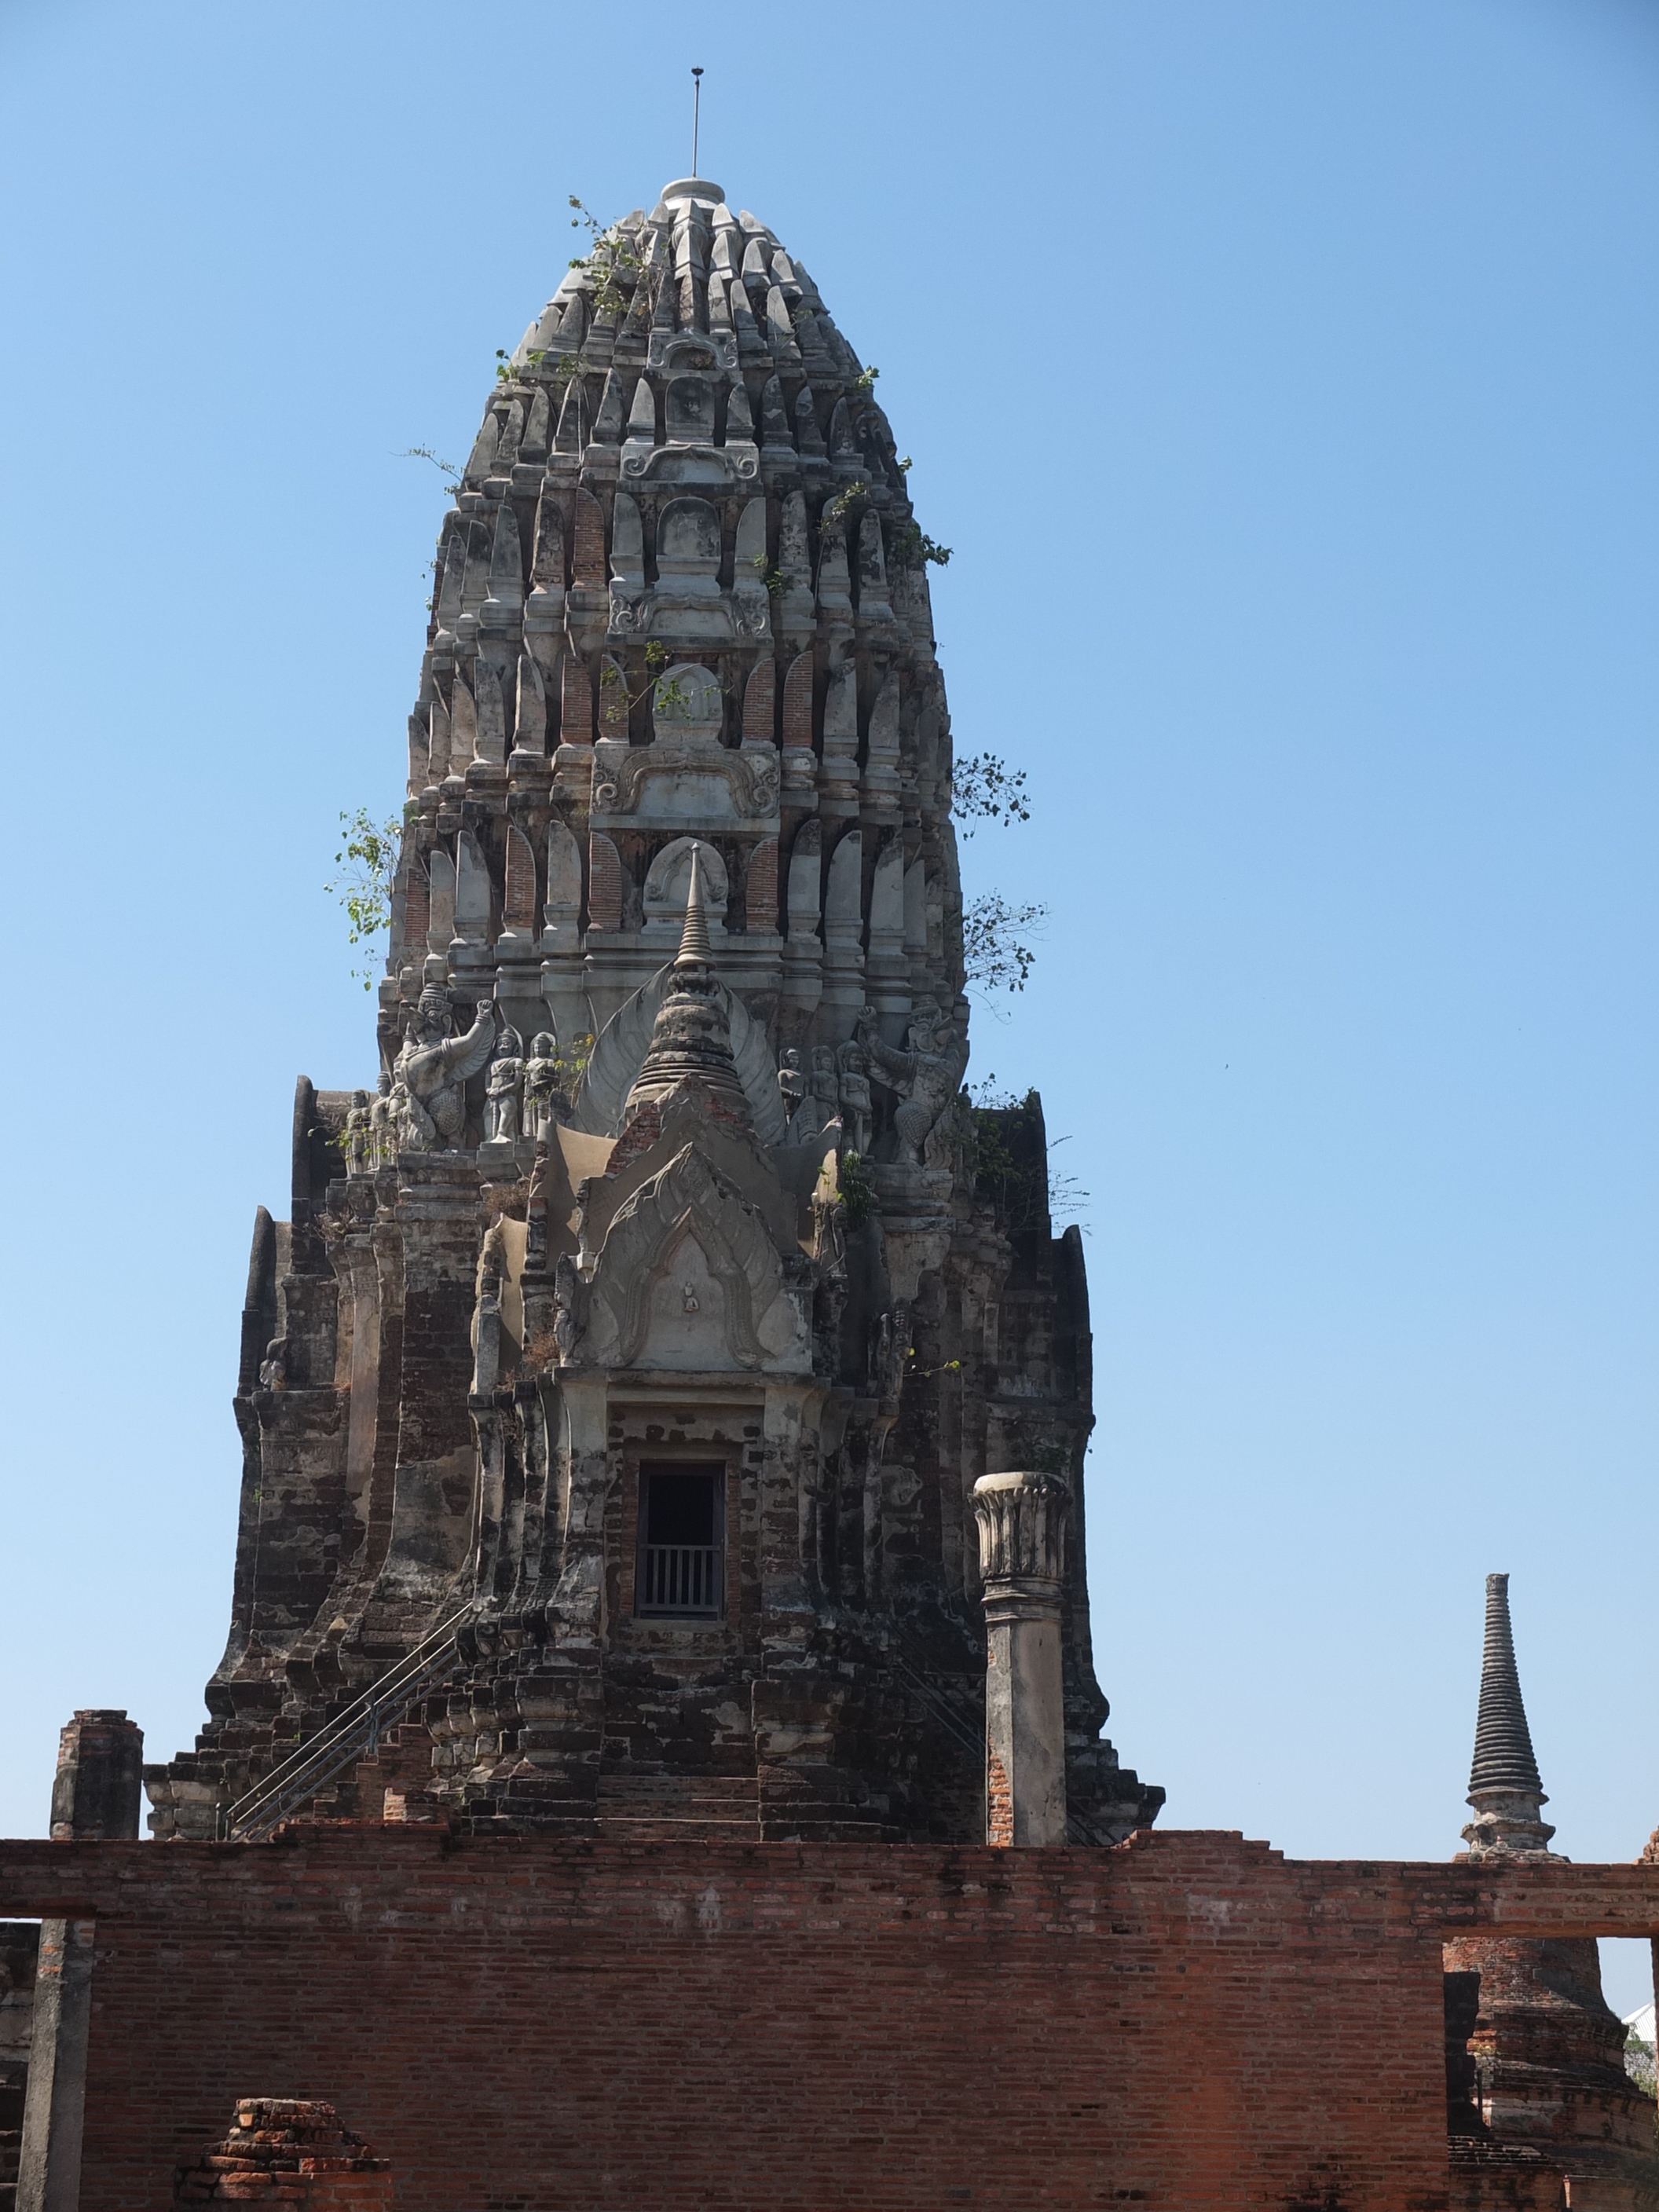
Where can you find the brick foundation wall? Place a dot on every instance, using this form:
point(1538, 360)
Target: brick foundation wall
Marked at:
point(1189, 2020)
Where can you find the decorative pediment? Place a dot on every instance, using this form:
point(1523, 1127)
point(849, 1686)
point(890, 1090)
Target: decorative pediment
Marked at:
point(681, 784)
point(687, 1278)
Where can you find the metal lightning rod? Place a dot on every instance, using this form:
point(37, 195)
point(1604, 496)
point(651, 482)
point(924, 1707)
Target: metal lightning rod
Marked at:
point(697, 114)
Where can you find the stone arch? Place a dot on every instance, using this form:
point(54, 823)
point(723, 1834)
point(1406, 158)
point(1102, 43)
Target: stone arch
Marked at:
point(668, 881)
point(688, 539)
point(687, 701)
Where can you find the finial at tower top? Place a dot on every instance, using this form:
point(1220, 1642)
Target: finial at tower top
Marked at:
point(1504, 1788)
point(692, 188)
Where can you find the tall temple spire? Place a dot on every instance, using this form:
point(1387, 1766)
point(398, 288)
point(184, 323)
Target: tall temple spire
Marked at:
point(1504, 1788)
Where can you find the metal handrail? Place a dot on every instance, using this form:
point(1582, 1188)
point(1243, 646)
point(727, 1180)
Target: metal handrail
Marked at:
point(355, 1733)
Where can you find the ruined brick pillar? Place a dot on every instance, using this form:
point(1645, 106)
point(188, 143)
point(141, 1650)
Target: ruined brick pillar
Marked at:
point(99, 1786)
point(1022, 1549)
point(291, 2150)
point(95, 1796)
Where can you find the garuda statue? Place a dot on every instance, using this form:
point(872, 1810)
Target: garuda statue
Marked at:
point(432, 1069)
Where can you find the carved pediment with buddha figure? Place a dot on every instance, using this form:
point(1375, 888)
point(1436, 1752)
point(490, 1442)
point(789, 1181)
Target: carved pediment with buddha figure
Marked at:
point(687, 1278)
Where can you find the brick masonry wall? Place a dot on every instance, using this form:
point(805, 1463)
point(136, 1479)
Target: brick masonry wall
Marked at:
point(1189, 2020)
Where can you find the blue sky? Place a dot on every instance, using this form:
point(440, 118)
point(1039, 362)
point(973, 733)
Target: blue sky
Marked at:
point(1282, 375)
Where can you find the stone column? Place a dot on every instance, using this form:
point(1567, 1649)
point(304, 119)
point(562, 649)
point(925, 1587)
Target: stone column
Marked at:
point(1022, 1550)
point(98, 1787)
point(49, 2165)
point(95, 1796)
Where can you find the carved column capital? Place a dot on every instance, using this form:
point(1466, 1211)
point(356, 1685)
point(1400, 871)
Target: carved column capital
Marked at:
point(1021, 1529)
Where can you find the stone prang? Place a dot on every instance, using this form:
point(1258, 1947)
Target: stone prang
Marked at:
point(613, 1399)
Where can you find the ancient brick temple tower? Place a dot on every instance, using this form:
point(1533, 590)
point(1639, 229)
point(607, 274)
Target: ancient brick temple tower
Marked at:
point(613, 1399)
point(1541, 2111)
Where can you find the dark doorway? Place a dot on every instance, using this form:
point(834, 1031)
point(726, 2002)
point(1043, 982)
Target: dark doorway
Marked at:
point(682, 1570)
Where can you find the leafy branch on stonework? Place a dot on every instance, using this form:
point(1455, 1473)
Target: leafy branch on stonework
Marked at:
point(673, 696)
point(571, 1067)
point(1008, 1165)
point(775, 581)
point(847, 504)
point(995, 933)
point(866, 379)
point(985, 789)
point(913, 547)
point(448, 470)
point(506, 369)
point(604, 259)
point(367, 860)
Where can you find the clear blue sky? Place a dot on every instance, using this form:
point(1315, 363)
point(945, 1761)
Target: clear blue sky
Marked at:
point(1283, 375)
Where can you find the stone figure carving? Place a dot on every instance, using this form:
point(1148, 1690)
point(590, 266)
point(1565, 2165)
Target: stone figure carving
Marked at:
point(857, 1107)
point(501, 1088)
point(888, 1352)
point(432, 1067)
point(543, 1095)
point(826, 1084)
point(792, 1083)
point(566, 1327)
point(382, 1142)
point(924, 1080)
point(273, 1367)
point(354, 1138)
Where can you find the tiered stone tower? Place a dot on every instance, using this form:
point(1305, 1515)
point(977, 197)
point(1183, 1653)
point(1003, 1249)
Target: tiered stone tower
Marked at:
point(1542, 2113)
point(615, 1396)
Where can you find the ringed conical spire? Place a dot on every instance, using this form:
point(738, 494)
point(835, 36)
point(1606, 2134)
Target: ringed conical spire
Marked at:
point(694, 948)
point(691, 1035)
point(1504, 1788)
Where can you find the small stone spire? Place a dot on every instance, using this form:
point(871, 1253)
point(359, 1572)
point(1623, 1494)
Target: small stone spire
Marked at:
point(1504, 1788)
point(694, 948)
point(691, 1036)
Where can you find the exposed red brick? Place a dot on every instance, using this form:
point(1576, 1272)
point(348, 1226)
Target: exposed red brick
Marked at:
point(760, 888)
point(587, 544)
point(519, 901)
point(760, 699)
point(604, 884)
point(798, 702)
point(575, 703)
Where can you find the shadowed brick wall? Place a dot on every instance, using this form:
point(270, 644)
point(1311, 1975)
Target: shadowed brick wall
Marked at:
point(1189, 2020)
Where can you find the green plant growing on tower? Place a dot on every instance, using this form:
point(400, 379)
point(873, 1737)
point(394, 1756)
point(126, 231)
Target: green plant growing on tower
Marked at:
point(995, 950)
point(984, 788)
point(775, 581)
point(451, 474)
point(913, 548)
point(368, 861)
point(605, 258)
point(672, 695)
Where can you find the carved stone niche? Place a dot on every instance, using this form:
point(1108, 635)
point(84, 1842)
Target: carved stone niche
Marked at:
point(686, 602)
point(667, 886)
point(693, 367)
point(686, 780)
